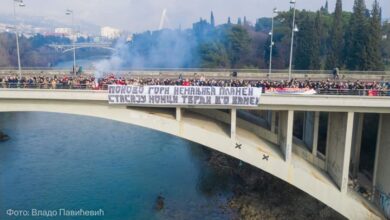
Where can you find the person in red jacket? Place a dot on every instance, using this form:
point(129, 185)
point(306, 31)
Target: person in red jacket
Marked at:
point(186, 83)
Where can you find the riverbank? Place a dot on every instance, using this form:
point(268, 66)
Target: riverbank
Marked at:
point(259, 195)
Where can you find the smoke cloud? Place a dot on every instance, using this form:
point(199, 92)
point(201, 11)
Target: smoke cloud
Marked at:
point(162, 49)
point(159, 49)
point(115, 62)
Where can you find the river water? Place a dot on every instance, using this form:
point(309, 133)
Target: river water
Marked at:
point(58, 161)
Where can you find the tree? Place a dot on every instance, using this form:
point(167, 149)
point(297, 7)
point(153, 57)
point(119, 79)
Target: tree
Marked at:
point(212, 20)
point(375, 61)
point(315, 62)
point(213, 55)
point(236, 43)
point(386, 43)
point(335, 53)
point(239, 22)
point(357, 38)
point(305, 44)
point(229, 21)
point(263, 25)
point(326, 7)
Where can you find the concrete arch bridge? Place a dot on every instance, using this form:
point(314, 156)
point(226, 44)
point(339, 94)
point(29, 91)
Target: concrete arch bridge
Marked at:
point(261, 136)
point(70, 47)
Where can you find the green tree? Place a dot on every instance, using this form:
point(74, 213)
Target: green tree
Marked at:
point(236, 43)
point(335, 52)
point(212, 20)
point(326, 7)
point(239, 22)
point(315, 62)
point(307, 55)
point(375, 61)
point(357, 38)
point(263, 24)
point(386, 44)
point(213, 55)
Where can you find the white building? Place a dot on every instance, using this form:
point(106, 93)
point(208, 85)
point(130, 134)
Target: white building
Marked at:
point(63, 31)
point(4, 27)
point(110, 33)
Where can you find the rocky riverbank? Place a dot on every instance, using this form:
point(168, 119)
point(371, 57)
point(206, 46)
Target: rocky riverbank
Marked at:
point(259, 195)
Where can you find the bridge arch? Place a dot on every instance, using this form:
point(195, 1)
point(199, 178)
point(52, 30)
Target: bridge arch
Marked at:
point(77, 48)
point(195, 127)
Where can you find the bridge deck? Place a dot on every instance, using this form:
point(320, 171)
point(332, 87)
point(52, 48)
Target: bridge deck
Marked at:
point(195, 126)
point(331, 103)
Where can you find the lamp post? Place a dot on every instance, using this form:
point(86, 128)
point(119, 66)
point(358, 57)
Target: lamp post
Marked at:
point(294, 29)
point(272, 42)
point(70, 12)
point(21, 4)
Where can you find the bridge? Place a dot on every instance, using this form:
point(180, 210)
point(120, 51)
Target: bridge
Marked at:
point(261, 136)
point(69, 47)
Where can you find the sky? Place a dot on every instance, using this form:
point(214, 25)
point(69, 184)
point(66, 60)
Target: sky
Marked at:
point(141, 15)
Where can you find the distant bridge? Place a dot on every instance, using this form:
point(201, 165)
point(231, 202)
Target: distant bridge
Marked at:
point(264, 134)
point(70, 47)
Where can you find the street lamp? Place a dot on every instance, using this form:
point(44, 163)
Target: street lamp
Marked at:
point(294, 29)
point(20, 4)
point(70, 12)
point(272, 41)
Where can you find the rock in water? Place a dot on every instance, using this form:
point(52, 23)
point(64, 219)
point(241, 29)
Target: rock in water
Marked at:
point(3, 137)
point(159, 202)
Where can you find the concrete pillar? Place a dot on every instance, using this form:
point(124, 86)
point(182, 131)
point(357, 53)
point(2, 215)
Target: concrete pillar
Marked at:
point(179, 114)
point(381, 179)
point(269, 118)
point(315, 132)
point(273, 121)
point(233, 123)
point(285, 135)
point(308, 129)
point(357, 143)
point(338, 149)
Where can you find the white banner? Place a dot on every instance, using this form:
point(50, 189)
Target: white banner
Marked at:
point(184, 95)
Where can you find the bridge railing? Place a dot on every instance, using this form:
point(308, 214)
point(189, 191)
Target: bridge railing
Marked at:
point(49, 86)
point(206, 70)
point(355, 92)
point(345, 92)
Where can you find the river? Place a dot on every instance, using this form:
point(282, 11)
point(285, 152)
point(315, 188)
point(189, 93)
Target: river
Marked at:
point(56, 161)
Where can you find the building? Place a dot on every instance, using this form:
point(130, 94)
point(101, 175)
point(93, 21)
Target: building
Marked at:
point(109, 32)
point(4, 27)
point(63, 31)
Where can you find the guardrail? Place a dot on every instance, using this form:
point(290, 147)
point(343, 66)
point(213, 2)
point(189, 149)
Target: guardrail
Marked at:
point(91, 86)
point(354, 92)
point(193, 70)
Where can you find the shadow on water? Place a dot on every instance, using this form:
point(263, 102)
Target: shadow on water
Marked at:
point(212, 180)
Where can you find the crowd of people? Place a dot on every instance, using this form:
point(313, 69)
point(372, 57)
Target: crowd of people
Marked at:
point(47, 82)
point(92, 82)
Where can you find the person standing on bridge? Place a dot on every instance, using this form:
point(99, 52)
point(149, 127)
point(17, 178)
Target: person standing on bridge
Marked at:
point(186, 83)
point(336, 73)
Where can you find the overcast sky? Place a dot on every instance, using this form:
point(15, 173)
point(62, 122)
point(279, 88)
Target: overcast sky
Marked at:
point(140, 15)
